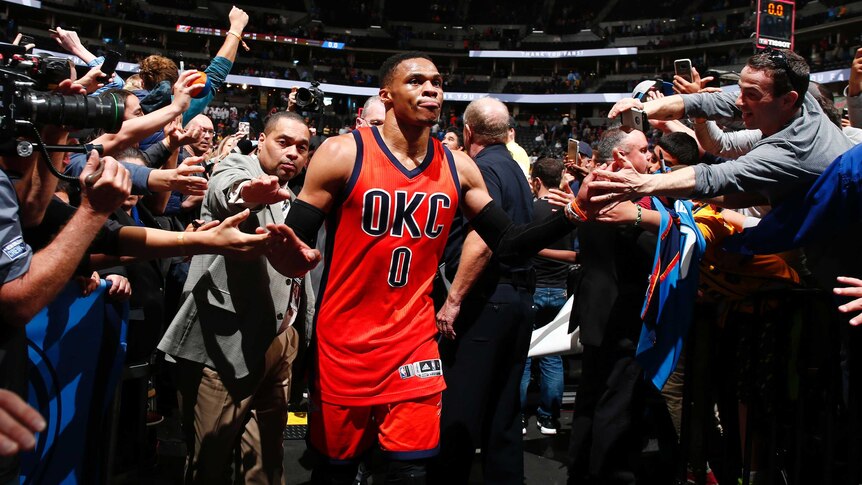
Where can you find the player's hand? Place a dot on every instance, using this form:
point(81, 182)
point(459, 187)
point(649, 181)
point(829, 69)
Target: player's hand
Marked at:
point(264, 190)
point(287, 253)
point(18, 423)
point(560, 198)
point(446, 319)
point(624, 212)
point(605, 187)
point(853, 290)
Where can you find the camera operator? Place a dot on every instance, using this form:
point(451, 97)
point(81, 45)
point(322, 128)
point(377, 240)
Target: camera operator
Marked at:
point(30, 281)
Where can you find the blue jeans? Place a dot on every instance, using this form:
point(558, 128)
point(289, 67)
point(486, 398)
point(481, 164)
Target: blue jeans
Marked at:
point(548, 302)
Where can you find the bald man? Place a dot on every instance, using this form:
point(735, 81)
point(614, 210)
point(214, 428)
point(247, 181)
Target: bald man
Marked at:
point(373, 113)
point(490, 306)
point(205, 141)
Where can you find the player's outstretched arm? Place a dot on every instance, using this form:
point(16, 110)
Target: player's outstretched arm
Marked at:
point(291, 246)
point(509, 242)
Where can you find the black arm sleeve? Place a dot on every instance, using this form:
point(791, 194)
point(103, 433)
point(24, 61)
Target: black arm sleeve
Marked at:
point(512, 243)
point(305, 220)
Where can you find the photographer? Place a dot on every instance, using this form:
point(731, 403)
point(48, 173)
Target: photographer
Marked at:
point(30, 281)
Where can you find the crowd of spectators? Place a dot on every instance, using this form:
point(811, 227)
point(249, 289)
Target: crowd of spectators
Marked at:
point(156, 169)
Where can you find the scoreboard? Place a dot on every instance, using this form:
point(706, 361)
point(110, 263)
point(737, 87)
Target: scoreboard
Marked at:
point(775, 24)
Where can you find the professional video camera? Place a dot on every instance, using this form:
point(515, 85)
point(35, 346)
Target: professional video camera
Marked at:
point(310, 99)
point(24, 104)
point(24, 77)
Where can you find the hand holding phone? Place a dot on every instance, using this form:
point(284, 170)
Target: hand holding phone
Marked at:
point(112, 58)
point(682, 68)
point(572, 150)
point(244, 128)
point(634, 119)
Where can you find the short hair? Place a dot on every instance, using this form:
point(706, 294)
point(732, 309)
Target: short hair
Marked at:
point(134, 82)
point(273, 120)
point(611, 139)
point(131, 153)
point(788, 70)
point(155, 69)
point(488, 127)
point(549, 171)
point(682, 146)
point(369, 102)
point(458, 134)
point(387, 69)
point(120, 92)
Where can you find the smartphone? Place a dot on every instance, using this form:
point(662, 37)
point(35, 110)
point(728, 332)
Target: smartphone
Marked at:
point(682, 68)
point(634, 119)
point(112, 58)
point(572, 151)
point(243, 127)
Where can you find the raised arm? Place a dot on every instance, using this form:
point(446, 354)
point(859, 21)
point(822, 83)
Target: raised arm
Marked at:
point(136, 129)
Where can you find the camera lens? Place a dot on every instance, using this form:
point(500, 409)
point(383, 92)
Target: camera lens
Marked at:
point(78, 111)
point(304, 97)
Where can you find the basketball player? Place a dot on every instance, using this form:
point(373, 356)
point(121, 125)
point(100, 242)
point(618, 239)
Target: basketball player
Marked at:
point(388, 195)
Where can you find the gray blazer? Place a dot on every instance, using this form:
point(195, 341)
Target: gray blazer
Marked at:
point(232, 310)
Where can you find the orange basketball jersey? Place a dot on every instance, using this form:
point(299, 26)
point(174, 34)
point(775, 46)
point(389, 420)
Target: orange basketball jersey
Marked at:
point(375, 326)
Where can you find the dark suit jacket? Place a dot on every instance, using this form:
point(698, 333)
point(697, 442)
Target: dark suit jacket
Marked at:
point(615, 265)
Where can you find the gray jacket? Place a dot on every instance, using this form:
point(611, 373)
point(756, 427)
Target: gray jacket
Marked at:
point(777, 165)
point(231, 309)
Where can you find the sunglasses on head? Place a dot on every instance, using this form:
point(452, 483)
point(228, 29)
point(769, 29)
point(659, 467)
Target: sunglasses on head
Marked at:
point(779, 58)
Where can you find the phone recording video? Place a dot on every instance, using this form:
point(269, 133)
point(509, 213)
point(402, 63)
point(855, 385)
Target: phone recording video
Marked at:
point(572, 150)
point(634, 119)
point(682, 68)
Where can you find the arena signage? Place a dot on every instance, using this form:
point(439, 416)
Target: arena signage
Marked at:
point(616, 51)
point(838, 75)
point(326, 44)
point(26, 3)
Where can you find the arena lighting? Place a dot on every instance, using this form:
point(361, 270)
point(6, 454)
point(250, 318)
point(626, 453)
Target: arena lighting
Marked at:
point(608, 52)
point(326, 44)
point(837, 75)
point(26, 3)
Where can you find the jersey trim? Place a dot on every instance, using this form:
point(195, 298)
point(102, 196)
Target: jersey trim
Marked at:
point(429, 155)
point(451, 159)
point(357, 167)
